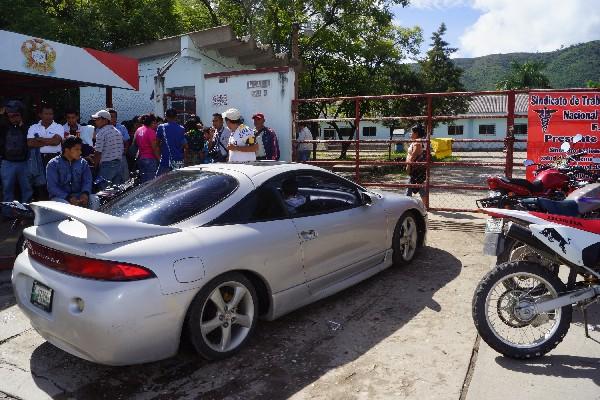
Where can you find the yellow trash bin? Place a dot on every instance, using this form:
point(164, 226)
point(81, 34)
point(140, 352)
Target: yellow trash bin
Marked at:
point(441, 147)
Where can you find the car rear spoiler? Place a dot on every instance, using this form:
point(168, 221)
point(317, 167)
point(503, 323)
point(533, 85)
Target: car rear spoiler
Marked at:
point(101, 228)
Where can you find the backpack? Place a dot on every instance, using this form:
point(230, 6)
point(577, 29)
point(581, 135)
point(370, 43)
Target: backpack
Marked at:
point(15, 144)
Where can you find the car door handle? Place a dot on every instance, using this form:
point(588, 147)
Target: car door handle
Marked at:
point(309, 235)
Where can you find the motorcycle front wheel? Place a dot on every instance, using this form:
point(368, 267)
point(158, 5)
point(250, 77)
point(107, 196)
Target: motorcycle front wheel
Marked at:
point(501, 311)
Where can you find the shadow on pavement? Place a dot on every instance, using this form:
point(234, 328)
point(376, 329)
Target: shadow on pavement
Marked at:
point(455, 215)
point(283, 357)
point(556, 365)
point(565, 366)
point(7, 298)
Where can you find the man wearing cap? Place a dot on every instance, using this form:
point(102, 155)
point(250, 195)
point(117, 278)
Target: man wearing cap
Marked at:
point(14, 153)
point(46, 135)
point(268, 146)
point(126, 139)
point(242, 142)
point(108, 150)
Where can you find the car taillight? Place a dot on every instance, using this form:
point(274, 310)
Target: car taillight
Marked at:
point(85, 267)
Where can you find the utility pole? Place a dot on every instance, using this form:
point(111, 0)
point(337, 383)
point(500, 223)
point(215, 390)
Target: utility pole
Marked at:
point(295, 57)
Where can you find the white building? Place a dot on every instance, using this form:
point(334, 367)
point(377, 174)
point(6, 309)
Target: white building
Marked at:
point(212, 70)
point(481, 121)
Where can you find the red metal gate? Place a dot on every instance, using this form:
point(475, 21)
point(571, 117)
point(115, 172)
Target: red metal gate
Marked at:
point(436, 185)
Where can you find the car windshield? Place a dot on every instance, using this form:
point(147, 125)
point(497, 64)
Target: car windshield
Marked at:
point(173, 197)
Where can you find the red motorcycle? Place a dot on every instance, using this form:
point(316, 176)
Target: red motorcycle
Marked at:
point(552, 181)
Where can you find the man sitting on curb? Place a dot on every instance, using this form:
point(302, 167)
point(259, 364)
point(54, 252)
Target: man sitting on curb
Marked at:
point(69, 176)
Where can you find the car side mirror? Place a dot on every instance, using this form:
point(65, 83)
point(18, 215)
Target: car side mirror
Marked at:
point(366, 199)
point(528, 163)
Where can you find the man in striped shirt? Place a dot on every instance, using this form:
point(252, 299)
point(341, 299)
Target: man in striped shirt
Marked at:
point(108, 150)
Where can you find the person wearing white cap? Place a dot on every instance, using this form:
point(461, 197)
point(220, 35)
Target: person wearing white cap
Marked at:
point(242, 142)
point(108, 150)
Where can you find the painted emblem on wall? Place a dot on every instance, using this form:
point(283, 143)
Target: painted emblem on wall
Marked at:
point(219, 100)
point(39, 55)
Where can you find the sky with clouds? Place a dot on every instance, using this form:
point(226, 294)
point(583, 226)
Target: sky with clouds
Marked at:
point(480, 27)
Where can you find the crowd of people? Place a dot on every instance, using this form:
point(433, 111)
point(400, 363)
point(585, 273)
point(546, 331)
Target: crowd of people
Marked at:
point(70, 162)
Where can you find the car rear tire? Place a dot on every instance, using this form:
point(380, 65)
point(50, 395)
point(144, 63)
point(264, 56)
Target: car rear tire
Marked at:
point(222, 316)
point(406, 239)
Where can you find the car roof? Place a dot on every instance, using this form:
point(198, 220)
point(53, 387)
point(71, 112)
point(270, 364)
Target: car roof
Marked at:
point(255, 168)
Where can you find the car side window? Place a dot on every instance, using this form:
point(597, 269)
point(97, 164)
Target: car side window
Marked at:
point(263, 204)
point(325, 193)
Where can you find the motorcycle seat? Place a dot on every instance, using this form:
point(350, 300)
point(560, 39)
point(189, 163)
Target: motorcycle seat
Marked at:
point(568, 208)
point(535, 186)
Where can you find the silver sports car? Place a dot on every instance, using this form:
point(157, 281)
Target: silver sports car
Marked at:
point(202, 253)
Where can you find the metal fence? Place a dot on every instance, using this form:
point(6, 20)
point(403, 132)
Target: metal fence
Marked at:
point(450, 184)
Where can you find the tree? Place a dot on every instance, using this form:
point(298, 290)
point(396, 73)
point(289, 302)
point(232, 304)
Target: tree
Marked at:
point(593, 85)
point(528, 75)
point(440, 74)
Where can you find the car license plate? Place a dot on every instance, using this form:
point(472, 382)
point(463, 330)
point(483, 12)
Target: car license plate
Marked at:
point(41, 296)
point(494, 225)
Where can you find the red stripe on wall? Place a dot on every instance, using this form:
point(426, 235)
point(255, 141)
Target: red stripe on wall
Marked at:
point(124, 67)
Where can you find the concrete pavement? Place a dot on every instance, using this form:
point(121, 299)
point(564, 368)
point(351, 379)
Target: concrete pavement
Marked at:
point(404, 334)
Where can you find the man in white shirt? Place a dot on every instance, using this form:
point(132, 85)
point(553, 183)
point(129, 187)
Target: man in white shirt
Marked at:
point(304, 148)
point(72, 127)
point(46, 134)
point(242, 142)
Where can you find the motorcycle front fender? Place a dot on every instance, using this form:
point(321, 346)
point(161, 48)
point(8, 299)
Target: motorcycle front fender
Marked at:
point(493, 244)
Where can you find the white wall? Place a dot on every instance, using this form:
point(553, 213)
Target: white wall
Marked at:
point(188, 70)
point(470, 131)
point(274, 101)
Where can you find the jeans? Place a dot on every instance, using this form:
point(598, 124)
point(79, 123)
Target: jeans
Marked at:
point(93, 201)
point(148, 167)
point(411, 191)
point(303, 155)
point(124, 169)
point(11, 173)
point(111, 171)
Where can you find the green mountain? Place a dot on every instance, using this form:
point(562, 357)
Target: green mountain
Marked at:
point(565, 68)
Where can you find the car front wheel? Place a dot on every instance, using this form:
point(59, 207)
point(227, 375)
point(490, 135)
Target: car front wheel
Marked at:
point(405, 240)
point(223, 316)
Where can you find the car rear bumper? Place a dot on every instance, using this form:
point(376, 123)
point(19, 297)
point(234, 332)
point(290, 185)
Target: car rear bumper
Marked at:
point(121, 323)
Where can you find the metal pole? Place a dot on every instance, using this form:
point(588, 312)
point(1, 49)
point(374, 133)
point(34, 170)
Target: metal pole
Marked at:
point(294, 134)
point(510, 129)
point(109, 97)
point(357, 139)
point(428, 149)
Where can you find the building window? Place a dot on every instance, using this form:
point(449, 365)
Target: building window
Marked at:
point(328, 133)
point(455, 129)
point(520, 129)
point(487, 129)
point(369, 131)
point(182, 99)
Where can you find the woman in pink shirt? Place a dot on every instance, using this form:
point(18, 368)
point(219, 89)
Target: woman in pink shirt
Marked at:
point(148, 149)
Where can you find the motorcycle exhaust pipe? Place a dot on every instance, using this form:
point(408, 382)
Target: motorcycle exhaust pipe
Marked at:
point(524, 235)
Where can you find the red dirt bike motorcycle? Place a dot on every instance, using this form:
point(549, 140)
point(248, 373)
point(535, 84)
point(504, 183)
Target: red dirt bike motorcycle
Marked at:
point(553, 181)
point(523, 309)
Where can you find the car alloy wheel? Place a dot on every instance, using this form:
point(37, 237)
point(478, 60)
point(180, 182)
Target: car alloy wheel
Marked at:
point(406, 239)
point(223, 316)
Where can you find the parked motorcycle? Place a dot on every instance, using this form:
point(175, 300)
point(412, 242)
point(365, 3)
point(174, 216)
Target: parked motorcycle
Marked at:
point(523, 309)
point(504, 248)
point(553, 181)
